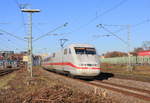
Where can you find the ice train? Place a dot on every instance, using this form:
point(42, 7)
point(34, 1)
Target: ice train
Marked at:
point(75, 60)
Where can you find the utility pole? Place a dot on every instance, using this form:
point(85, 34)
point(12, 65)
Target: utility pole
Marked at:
point(129, 67)
point(27, 38)
point(30, 59)
point(129, 47)
point(62, 42)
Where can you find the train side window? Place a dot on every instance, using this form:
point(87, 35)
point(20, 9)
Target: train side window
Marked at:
point(65, 51)
point(69, 51)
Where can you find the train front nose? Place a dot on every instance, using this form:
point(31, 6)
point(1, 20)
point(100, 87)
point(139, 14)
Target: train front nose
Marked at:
point(88, 70)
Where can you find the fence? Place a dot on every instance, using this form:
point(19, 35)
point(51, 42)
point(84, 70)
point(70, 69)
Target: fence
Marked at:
point(125, 60)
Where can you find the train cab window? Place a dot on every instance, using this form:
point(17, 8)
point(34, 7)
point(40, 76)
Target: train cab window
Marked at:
point(90, 51)
point(65, 51)
point(79, 50)
point(83, 50)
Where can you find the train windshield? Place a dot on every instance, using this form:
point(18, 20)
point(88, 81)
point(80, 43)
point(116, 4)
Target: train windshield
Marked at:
point(82, 50)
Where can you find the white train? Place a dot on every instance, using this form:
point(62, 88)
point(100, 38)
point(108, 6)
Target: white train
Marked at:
point(76, 60)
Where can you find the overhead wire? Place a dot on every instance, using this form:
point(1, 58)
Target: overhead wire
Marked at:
point(133, 25)
point(12, 42)
point(140, 23)
point(4, 44)
point(37, 27)
point(22, 16)
point(97, 16)
point(10, 34)
point(117, 31)
point(113, 34)
point(8, 42)
point(48, 33)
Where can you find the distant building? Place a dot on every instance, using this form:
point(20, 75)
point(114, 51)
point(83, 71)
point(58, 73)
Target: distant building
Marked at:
point(43, 55)
point(23, 52)
point(7, 52)
point(144, 53)
point(102, 57)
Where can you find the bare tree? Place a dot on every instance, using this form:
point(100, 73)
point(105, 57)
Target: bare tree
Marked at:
point(115, 54)
point(138, 49)
point(146, 45)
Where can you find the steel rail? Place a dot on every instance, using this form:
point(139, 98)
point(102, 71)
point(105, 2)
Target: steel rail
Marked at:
point(5, 72)
point(140, 96)
point(128, 91)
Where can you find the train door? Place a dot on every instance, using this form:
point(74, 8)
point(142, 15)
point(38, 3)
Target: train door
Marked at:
point(64, 57)
point(67, 60)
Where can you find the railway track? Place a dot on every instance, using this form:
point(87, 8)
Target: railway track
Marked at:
point(139, 93)
point(107, 75)
point(127, 90)
point(132, 77)
point(7, 71)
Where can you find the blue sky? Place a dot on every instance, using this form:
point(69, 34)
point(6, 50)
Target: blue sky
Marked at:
point(78, 14)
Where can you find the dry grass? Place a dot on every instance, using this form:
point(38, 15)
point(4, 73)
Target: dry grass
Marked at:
point(4, 80)
point(143, 70)
point(41, 89)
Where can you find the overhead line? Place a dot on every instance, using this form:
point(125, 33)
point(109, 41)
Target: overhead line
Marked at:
point(140, 23)
point(10, 34)
point(8, 41)
point(50, 32)
point(103, 13)
point(4, 44)
point(22, 16)
point(16, 1)
point(12, 42)
point(38, 28)
point(113, 34)
point(134, 25)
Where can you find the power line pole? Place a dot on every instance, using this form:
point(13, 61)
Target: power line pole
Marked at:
point(30, 60)
point(129, 67)
point(62, 42)
point(129, 47)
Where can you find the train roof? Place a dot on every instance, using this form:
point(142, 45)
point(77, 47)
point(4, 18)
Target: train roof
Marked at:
point(72, 46)
point(80, 45)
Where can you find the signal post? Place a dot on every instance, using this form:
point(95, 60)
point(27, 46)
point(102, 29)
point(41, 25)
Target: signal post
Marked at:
point(30, 60)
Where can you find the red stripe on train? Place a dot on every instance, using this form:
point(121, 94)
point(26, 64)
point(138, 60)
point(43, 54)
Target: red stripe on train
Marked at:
point(72, 65)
